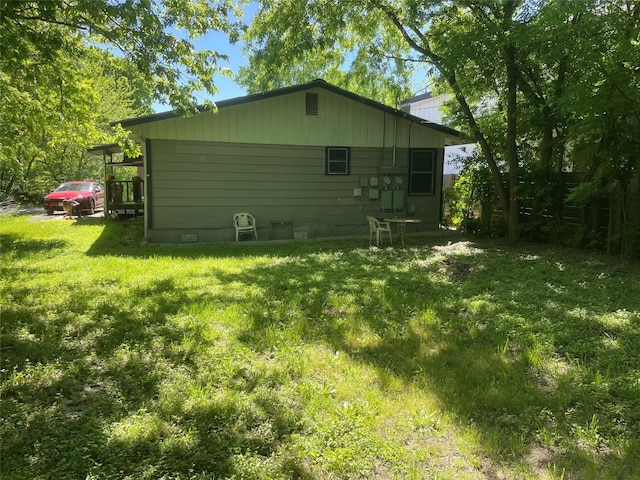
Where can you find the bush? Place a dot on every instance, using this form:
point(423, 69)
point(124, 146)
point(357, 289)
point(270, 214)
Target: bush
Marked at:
point(469, 201)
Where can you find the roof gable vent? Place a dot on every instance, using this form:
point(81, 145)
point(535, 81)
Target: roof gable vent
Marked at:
point(311, 104)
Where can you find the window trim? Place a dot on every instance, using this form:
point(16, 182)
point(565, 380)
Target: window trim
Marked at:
point(412, 172)
point(328, 160)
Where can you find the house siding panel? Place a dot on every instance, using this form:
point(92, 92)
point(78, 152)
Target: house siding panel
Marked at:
point(282, 120)
point(198, 186)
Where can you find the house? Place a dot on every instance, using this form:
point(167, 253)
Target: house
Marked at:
point(426, 105)
point(308, 161)
point(429, 107)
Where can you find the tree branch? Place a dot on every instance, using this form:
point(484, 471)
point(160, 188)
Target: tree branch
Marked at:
point(393, 16)
point(52, 22)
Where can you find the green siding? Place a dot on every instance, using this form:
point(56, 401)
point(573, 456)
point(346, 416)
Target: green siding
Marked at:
point(281, 120)
point(268, 157)
point(198, 186)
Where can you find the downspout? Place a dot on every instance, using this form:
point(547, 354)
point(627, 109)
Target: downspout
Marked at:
point(106, 185)
point(440, 159)
point(409, 207)
point(384, 138)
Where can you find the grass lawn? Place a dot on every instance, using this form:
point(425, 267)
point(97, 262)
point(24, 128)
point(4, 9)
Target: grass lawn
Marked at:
point(450, 359)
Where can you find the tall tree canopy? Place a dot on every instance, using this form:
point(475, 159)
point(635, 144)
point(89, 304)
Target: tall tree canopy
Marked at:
point(69, 67)
point(298, 41)
point(156, 36)
point(47, 122)
point(523, 73)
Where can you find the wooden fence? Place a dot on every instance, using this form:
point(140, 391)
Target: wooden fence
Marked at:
point(605, 221)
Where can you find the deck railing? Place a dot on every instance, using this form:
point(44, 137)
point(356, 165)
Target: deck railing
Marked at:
point(125, 191)
point(124, 195)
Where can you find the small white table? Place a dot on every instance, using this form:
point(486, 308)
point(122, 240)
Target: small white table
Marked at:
point(402, 224)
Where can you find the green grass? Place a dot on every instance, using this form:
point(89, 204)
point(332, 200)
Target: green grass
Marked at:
point(449, 359)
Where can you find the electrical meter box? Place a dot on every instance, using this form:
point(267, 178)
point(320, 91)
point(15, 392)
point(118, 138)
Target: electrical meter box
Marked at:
point(398, 199)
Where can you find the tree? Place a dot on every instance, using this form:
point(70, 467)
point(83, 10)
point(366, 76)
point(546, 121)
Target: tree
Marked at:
point(48, 125)
point(68, 67)
point(606, 105)
point(506, 63)
point(145, 32)
point(299, 41)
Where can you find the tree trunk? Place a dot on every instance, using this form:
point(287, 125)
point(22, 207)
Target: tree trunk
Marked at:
point(546, 146)
point(8, 190)
point(496, 175)
point(513, 229)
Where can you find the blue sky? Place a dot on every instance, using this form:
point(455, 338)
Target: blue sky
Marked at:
point(227, 87)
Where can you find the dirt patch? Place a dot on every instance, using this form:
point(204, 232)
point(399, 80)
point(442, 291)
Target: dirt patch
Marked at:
point(458, 248)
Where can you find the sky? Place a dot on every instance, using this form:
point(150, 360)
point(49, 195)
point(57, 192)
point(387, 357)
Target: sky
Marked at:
point(227, 87)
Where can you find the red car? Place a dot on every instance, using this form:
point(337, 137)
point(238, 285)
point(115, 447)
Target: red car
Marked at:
point(89, 195)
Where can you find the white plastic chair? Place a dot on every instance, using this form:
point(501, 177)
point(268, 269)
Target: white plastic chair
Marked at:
point(378, 227)
point(245, 223)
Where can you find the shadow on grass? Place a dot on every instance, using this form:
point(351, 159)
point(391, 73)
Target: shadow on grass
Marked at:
point(81, 388)
point(16, 246)
point(518, 348)
point(529, 349)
